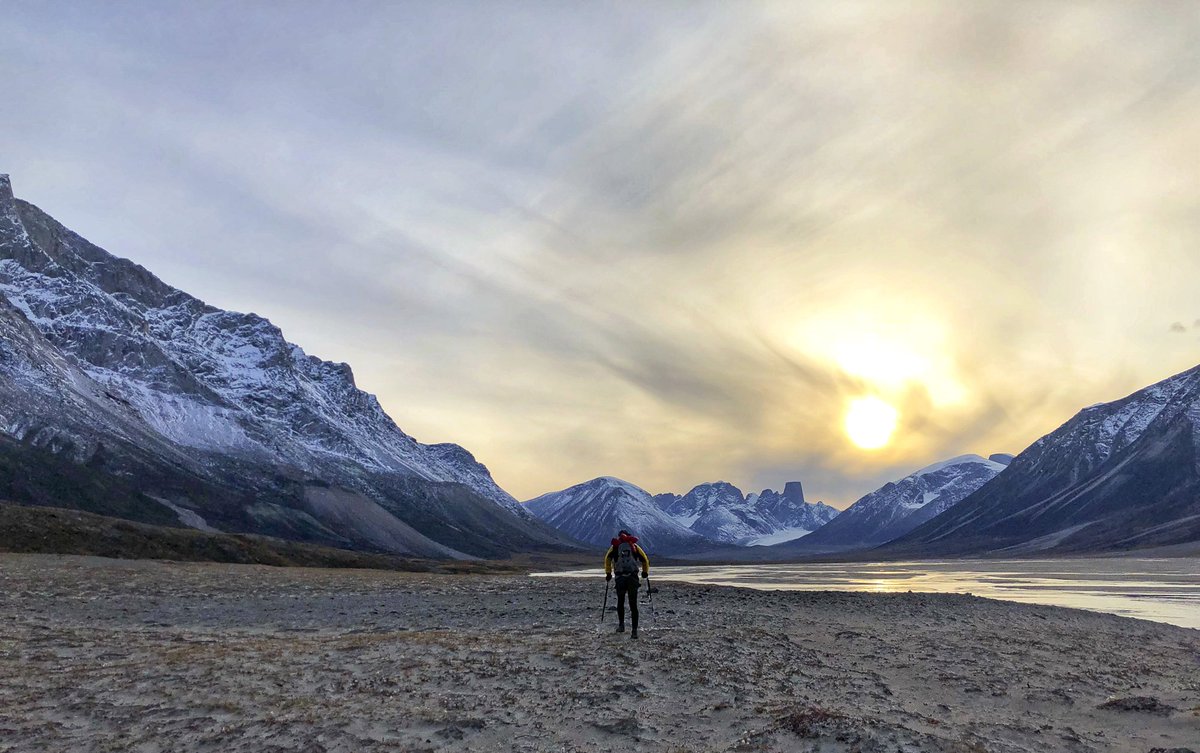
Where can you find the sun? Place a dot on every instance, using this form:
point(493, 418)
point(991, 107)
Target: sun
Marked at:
point(870, 422)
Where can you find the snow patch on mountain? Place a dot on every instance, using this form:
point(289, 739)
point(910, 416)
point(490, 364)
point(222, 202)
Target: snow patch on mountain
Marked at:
point(185, 421)
point(781, 536)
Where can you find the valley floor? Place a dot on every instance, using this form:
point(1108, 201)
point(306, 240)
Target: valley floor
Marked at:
point(106, 655)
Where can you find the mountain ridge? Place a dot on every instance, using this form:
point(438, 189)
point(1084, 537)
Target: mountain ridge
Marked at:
point(593, 512)
point(709, 514)
point(899, 506)
point(1117, 475)
point(149, 377)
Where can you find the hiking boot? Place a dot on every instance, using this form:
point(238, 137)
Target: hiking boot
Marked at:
point(621, 628)
point(633, 634)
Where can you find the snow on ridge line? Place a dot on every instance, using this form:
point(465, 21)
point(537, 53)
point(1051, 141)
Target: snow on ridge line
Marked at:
point(611, 482)
point(968, 458)
point(622, 483)
point(720, 513)
point(241, 354)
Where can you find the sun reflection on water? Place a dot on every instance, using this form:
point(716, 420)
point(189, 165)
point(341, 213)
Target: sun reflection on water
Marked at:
point(1164, 590)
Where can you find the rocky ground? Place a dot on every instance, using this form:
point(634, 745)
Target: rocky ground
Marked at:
point(107, 655)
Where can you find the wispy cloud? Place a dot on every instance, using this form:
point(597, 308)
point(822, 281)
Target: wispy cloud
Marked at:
point(637, 241)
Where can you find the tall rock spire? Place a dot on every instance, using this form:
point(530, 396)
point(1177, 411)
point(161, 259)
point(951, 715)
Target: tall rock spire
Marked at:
point(10, 221)
point(793, 491)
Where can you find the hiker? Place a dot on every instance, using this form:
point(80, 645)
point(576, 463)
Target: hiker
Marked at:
point(625, 558)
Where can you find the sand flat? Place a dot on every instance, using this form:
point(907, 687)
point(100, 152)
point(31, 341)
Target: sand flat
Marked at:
point(104, 655)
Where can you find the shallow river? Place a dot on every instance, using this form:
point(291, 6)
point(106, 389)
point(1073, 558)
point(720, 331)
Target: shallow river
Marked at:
point(1165, 590)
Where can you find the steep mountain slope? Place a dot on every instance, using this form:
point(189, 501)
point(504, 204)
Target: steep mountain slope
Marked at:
point(594, 511)
point(899, 506)
point(216, 414)
point(1117, 476)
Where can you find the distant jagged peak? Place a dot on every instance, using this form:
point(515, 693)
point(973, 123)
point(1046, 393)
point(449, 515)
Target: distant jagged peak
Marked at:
point(793, 491)
point(715, 511)
point(716, 488)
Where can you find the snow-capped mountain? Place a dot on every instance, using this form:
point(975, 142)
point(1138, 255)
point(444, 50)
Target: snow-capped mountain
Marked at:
point(717, 511)
point(594, 511)
point(105, 362)
point(1118, 475)
point(720, 512)
point(702, 499)
point(899, 506)
point(791, 515)
point(708, 515)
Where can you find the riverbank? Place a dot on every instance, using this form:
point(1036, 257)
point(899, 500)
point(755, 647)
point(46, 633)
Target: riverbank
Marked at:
point(1162, 590)
point(107, 655)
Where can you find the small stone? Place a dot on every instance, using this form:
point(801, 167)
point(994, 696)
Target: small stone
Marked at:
point(1142, 703)
point(626, 726)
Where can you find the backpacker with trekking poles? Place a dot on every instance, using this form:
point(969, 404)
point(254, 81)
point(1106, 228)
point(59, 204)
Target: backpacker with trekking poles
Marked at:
point(624, 559)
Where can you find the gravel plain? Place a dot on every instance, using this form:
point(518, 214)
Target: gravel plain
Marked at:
point(146, 656)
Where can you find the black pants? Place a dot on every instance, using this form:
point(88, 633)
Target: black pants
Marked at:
point(627, 585)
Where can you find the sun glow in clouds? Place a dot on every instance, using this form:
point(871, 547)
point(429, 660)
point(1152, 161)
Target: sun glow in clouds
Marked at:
point(894, 361)
point(882, 361)
point(887, 357)
point(870, 422)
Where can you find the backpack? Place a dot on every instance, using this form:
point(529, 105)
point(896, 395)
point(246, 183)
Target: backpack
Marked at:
point(626, 561)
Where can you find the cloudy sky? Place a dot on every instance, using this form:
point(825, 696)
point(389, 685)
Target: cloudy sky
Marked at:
point(671, 242)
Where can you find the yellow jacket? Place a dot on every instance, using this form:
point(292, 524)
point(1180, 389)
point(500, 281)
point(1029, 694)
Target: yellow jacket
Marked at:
point(611, 555)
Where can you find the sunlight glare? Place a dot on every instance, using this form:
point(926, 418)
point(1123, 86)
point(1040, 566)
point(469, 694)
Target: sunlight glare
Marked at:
point(870, 422)
point(888, 350)
point(881, 361)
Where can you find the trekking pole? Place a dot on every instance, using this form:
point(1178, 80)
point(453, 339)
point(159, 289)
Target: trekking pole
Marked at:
point(604, 608)
point(650, 600)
